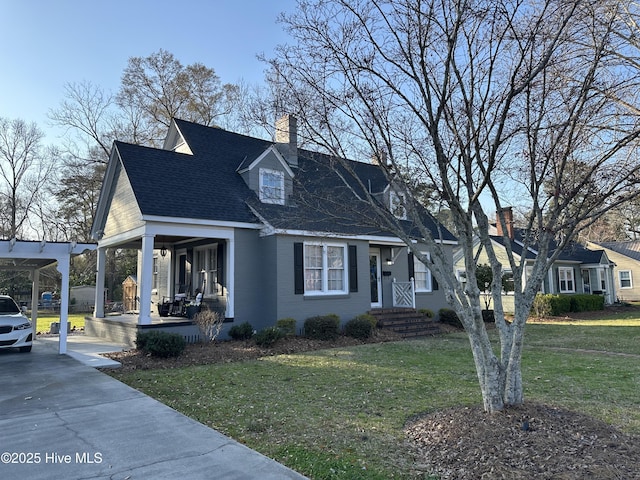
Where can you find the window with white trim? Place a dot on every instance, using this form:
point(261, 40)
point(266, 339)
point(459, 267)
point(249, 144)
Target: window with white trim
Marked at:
point(624, 276)
point(324, 268)
point(207, 269)
point(422, 275)
point(155, 273)
point(271, 186)
point(566, 281)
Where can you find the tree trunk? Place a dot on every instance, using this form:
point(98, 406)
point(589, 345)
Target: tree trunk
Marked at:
point(491, 374)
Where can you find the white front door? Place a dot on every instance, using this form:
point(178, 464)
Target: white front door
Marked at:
point(375, 274)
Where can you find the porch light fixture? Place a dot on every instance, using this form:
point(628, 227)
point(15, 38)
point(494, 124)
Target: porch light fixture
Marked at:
point(163, 251)
point(389, 261)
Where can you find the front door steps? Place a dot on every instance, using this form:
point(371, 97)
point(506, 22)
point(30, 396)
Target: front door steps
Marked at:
point(407, 322)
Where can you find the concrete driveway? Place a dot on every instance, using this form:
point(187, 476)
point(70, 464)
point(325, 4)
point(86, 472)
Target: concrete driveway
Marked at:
point(60, 418)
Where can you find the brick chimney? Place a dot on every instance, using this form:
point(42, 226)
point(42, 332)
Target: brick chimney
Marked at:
point(287, 138)
point(507, 214)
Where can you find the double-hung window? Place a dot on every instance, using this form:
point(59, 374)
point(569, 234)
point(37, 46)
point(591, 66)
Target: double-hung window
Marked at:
point(422, 275)
point(566, 281)
point(324, 268)
point(625, 279)
point(271, 186)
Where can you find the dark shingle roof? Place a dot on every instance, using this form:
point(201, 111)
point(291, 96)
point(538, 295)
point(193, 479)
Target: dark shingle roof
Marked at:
point(207, 185)
point(630, 249)
point(573, 252)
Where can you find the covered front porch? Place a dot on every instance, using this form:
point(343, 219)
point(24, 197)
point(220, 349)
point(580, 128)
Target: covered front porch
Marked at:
point(177, 263)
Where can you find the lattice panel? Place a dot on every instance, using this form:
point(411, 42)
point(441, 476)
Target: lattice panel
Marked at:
point(403, 295)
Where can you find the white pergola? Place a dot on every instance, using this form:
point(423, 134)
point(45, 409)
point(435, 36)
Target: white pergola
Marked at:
point(32, 256)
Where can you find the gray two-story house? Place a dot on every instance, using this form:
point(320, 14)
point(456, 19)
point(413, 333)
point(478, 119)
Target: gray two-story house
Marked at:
point(262, 229)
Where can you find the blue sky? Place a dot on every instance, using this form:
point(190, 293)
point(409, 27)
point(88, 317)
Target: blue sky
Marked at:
point(45, 44)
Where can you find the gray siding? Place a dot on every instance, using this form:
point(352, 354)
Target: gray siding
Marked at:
point(301, 306)
point(124, 214)
point(251, 281)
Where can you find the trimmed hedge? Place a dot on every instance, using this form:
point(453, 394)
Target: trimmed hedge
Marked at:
point(322, 327)
point(369, 318)
point(359, 327)
point(269, 336)
point(161, 344)
point(450, 317)
point(586, 303)
point(287, 326)
point(244, 331)
point(549, 304)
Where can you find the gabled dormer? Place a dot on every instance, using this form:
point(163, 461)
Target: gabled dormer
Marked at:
point(175, 141)
point(269, 175)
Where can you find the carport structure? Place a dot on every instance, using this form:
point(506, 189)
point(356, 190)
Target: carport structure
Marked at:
point(32, 256)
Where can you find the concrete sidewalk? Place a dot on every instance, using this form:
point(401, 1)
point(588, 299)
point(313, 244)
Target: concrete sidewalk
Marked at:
point(60, 418)
point(85, 349)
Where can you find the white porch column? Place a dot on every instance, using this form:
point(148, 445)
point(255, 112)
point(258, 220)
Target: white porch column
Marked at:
point(35, 295)
point(63, 268)
point(145, 280)
point(231, 277)
point(101, 260)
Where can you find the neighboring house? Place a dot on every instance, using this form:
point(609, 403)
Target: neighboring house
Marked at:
point(577, 269)
point(265, 230)
point(626, 256)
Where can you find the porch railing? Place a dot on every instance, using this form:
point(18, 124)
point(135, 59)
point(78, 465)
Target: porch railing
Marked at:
point(404, 294)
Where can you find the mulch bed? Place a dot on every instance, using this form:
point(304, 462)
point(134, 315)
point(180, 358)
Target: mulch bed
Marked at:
point(525, 442)
point(235, 351)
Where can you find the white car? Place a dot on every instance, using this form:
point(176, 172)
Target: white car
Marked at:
point(16, 330)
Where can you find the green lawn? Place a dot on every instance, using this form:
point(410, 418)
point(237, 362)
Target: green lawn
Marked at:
point(46, 319)
point(340, 413)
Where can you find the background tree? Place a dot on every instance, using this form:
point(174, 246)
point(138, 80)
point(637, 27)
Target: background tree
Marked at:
point(159, 88)
point(481, 97)
point(24, 168)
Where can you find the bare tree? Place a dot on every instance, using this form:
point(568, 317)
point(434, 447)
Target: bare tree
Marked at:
point(489, 103)
point(159, 88)
point(24, 168)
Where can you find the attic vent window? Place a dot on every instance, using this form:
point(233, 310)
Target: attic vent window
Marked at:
point(396, 205)
point(271, 186)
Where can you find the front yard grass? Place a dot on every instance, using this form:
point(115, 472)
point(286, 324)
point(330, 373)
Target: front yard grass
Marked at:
point(46, 319)
point(340, 413)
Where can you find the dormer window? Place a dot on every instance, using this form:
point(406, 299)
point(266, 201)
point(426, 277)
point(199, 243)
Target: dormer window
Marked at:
point(271, 186)
point(396, 205)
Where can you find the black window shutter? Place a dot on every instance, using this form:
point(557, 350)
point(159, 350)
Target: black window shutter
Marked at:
point(434, 283)
point(353, 268)
point(412, 272)
point(298, 268)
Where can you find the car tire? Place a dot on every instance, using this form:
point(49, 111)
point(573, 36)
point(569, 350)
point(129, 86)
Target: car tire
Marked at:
point(25, 349)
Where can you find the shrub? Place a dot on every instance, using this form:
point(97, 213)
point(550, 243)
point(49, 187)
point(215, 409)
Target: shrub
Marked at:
point(359, 327)
point(450, 317)
point(426, 312)
point(244, 331)
point(549, 304)
point(369, 318)
point(322, 327)
point(269, 336)
point(287, 326)
point(586, 303)
point(209, 323)
point(161, 344)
